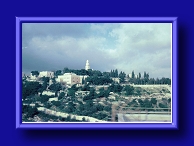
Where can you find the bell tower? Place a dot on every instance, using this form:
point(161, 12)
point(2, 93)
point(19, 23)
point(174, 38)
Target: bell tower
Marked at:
point(87, 65)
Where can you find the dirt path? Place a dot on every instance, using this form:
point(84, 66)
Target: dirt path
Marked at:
point(65, 115)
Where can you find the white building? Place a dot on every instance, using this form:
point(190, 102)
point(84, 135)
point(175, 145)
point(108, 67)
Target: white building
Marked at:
point(49, 74)
point(130, 75)
point(49, 93)
point(32, 77)
point(69, 78)
point(117, 80)
point(53, 99)
point(87, 65)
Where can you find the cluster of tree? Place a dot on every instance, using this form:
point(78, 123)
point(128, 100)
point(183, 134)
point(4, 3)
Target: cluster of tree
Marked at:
point(45, 83)
point(103, 92)
point(70, 108)
point(91, 95)
point(30, 88)
point(33, 88)
point(86, 87)
point(150, 81)
point(61, 95)
point(147, 104)
point(114, 73)
point(55, 87)
point(122, 76)
point(82, 72)
point(35, 73)
point(129, 90)
point(56, 103)
point(78, 72)
point(104, 76)
point(116, 88)
point(93, 110)
point(88, 109)
point(96, 80)
point(44, 98)
point(72, 90)
point(68, 119)
point(29, 111)
point(143, 104)
point(146, 80)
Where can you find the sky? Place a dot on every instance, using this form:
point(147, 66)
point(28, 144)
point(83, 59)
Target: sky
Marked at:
point(123, 46)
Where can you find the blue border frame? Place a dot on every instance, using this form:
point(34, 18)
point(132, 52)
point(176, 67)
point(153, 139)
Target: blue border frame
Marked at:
point(173, 125)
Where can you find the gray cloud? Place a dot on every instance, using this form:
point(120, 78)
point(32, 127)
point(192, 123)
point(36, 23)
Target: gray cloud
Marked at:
point(127, 47)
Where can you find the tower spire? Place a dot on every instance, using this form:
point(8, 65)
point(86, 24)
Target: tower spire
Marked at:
point(87, 65)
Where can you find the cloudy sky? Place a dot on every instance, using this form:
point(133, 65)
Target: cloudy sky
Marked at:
point(123, 46)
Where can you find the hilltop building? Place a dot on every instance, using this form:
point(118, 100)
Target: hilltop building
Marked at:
point(69, 78)
point(49, 74)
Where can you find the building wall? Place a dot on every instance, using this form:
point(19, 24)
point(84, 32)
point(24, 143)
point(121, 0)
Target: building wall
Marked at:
point(32, 77)
point(69, 78)
point(75, 79)
point(49, 74)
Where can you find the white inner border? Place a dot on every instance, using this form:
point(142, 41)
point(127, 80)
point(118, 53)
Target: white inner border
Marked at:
point(125, 122)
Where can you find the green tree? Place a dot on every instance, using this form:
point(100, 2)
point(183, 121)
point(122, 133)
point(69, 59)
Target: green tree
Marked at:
point(107, 108)
point(44, 98)
point(30, 111)
point(129, 90)
point(55, 87)
point(117, 88)
point(153, 100)
point(116, 73)
point(45, 82)
point(30, 88)
point(133, 75)
point(35, 73)
point(139, 75)
point(61, 95)
point(83, 81)
point(58, 72)
point(111, 73)
point(66, 70)
point(56, 103)
point(86, 87)
point(88, 105)
point(101, 92)
point(53, 81)
point(72, 90)
point(147, 103)
point(83, 119)
point(101, 116)
point(145, 75)
point(141, 103)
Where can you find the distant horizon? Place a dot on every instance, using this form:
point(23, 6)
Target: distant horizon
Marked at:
point(28, 72)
